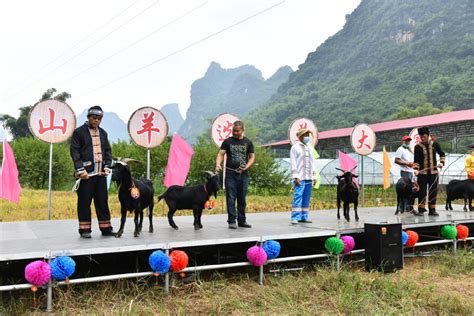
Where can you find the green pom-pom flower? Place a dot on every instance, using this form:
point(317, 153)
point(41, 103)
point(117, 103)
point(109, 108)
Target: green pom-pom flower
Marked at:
point(334, 245)
point(449, 232)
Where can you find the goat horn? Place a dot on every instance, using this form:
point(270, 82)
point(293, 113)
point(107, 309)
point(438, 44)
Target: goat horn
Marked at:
point(340, 169)
point(128, 160)
point(209, 173)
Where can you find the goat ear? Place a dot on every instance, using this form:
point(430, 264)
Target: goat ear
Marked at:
point(355, 176)
point(339, 177)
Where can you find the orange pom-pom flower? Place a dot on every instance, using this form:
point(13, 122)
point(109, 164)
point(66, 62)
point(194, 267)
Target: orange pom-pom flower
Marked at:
point(463, 232)
point(179, 260)
point(209, 205)
point(412, 238)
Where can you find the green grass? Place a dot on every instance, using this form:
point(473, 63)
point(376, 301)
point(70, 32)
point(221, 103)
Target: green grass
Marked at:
point(422, 287)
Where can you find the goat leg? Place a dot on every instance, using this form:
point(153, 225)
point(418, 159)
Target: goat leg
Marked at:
point(150, 217)
point(356, 204)
point(398, 206)
point(135, 220)
point(199, 218)
point(140, 224)
point(170, 218)
point(346, 211)
point(338, 207)
point(123, 211)
point(196, 219)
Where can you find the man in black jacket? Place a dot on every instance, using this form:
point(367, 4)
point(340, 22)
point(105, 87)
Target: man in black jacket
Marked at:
point(426, 168)
point(92, 157)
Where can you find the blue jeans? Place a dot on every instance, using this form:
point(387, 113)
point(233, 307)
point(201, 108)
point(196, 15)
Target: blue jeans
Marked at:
point(236, 185)
point(301, 199)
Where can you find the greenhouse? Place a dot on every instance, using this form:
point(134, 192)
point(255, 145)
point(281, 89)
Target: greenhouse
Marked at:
point(373, 168)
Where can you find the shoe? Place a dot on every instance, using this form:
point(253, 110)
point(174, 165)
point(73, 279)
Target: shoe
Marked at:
point(422, 210)
point(86, 235)
point(109, 233)
point(232, 226)
point(294, 222)
point(245, 225)
point(417, 213)
point(433, 213)
point(304, 221)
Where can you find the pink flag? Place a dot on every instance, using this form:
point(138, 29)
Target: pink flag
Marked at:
point(10, 188)
point(179, 160)
point(346, 163)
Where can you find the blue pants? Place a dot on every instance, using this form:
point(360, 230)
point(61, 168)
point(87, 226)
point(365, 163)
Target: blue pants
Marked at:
point(301, 197)
point(236, 185)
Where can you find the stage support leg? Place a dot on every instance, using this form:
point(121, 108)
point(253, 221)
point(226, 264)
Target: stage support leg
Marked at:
point(167, 275)
point(455, 245)
point(260, 278)
point(338, 257)
point(49, 294)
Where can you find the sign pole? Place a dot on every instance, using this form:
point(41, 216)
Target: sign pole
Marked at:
point(362, 178)
point(50, 176)
point(148, 172)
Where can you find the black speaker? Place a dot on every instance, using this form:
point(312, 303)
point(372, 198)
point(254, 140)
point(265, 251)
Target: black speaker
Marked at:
point(383, 247)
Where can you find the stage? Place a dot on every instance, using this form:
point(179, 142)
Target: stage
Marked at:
point(40, 239)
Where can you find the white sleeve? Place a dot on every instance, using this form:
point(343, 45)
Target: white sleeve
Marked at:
point(293, 159)
point(399, 153)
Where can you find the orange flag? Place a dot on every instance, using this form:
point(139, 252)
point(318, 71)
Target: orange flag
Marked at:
point(386, 169)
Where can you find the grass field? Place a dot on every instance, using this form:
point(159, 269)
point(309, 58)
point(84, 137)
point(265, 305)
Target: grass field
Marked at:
point(441, 285)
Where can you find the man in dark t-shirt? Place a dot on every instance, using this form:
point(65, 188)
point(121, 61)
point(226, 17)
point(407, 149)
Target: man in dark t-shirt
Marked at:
point(240, 157)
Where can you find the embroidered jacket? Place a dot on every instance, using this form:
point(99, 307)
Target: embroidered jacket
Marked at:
point(425, 157)
point(90, 149)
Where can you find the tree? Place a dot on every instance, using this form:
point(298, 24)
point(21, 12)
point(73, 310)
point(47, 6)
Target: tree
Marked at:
point(420, 110)
point(19, 127)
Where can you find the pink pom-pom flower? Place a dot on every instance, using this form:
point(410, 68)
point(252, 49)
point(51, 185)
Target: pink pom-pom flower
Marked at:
point(38, 273)
point(256, 256)
point(349, 243)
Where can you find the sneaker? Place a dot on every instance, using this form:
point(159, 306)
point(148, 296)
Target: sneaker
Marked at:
point(245, 225)
point(232, 226)
point(304, 221)
point(86, 235)
point(433, 213)
point(294, 222)
point(109, 233)
point(422, 210)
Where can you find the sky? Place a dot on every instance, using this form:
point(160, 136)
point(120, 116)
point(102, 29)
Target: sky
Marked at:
point(126, 54)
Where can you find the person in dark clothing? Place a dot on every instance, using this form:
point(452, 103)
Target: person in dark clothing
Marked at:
point(240, 157)
point(92, 157)
point(426, 168)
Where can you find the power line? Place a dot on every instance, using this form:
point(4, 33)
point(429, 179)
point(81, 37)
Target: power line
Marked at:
point(88, 47)
point(136, 42)
point(186, 47)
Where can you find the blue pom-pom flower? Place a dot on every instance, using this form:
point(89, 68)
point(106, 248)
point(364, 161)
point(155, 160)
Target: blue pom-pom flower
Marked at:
point(272, 248)
point(62, 267)
point(159, 262)
point(404, 238)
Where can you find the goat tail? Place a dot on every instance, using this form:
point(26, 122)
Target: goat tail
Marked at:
point(160, 197)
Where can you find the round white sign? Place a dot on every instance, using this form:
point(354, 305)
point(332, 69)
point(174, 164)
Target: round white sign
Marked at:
point(300, 123)
point(52, 121)
point(415, 139)
point(363, 139)
point(222, 127)
point(148, 127)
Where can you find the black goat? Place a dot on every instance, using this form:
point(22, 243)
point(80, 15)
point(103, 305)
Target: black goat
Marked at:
point(347, 192)
point(129, 199)
point(185, 198)
point(407, 191)
point(460, 189)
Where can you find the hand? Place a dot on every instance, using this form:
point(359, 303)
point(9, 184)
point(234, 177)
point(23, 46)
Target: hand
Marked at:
point(83, 175)
point(440, 166)
point(416, 172)
point(409, 164)
point(297, 181)
point(242, 168)
point(218, 168)
point(106, 171)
